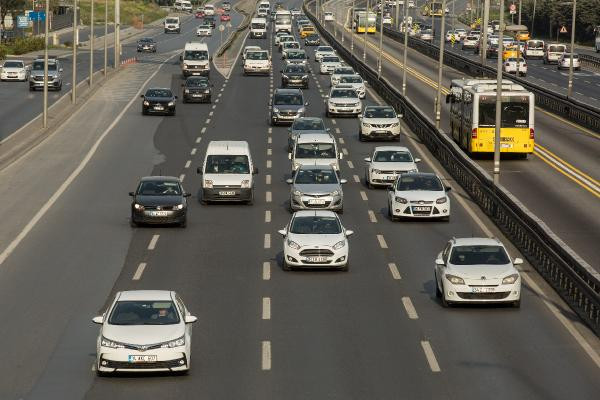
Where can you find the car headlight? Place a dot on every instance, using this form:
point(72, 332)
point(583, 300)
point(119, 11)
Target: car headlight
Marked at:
point(293, 245)
point(171, 104)
point(400, 200)
point(146, 103)
point(275, 110)
point(339, 245)
point(110, 343)
point(455, 280)
point(366, 125)
point(174, 343)
point(301, 110)
point(304, 77)
point(285, 77)
point(297, 193)
point(138, 207)
point(185, 65)
point(509, 280)
point(375, 171)
point(395, 124)
point(412, 170)
point(187, 90)
point(179, 207)
point(208, 183)
point(335, 193)
point(246, 183)
point(441, 200)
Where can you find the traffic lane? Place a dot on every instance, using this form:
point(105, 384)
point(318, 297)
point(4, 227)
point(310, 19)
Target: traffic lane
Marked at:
point(84, 33)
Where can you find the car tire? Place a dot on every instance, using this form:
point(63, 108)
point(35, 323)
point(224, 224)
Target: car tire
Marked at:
point(209, 100)
point(183, 224)
point(31, 89)
point(172, 113)
point(516, 304)
point(346, 267)
point(438, 292)
point(144, 112)
point(286, 266)
point(327, 114)
point(368, 182)
point(393, 218)
point(340, 211)
point(184, 100)
point(445, 303)
point(132, 223)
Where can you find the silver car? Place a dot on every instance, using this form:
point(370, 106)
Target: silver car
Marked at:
point(316, 187)
point(305, 125)
point(36, 77)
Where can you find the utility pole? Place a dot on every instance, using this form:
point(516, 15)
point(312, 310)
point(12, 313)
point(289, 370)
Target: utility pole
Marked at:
point(117, 34)
point(46, 64)
point(366, 31)
point(105, 36)
point(380, 41)
point(352, 29)
point(570, 87)
point(397, 21)
point(533, 18)
point(91, 42)
point(486, 21)
point(406, 28)
point(74, 69)
point(498, 97)
point(438, 98)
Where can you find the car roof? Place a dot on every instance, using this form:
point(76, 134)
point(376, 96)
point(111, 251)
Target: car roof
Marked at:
point(394, 148)
point(477, 241)
point(315, 138)
point(316, 166)
point(145, 295)
point(342, 86)
point(227, 147)
point(195, 46)
point(315, 213)
point(309, 119)
point(373, 107)
point(428, 174)
point(159, 177)
point(287, 91)
point(159, 88)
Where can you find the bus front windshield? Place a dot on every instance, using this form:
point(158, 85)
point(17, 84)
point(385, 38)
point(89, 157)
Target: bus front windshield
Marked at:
point(515, 111)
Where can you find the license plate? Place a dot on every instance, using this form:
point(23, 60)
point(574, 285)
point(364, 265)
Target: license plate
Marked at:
point(196, 95)
point(195, 73)
point(316, 259)
point(482, 290)
point(506, 145)
point(158, 108)
point(142, 359)
point(421, 208)
point(159, 213)
point(390, 178)
point(382, 132)
point(227, 193)
point(316, 201)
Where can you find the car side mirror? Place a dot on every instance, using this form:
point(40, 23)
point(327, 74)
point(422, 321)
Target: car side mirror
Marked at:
point(518, 261)
point(131, 194)
point(199, 170)
point(289, 156)
point(187, 194)
point(190, 319)
point(368, 159)
point(417, 160)
point(98, 320)
point(306, 103)
point(289, 181)
point(447, 188)
point(439, 261)
point(342, 181)
point(282, 232)
point(349, 232)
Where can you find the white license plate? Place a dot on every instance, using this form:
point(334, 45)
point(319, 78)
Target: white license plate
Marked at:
point(142, 359)
point(159, 108)
point(227, 193)
point(390, 178)
point(159, 213)
point(316, 259)
point(506, 145)
point(421, 208)
point(482, 290)
point(381, 131)
point(195, 73)
point(316, 201)
point(196, 95)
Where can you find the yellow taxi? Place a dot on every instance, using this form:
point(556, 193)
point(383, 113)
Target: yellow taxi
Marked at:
point(307, 30)
point(510, 52)
point(522, 36)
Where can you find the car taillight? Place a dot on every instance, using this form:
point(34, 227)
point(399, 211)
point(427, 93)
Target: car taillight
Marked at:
point(474, 133)
point(531, 133)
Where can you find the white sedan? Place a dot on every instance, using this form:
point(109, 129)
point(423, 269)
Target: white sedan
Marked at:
point(322, 51)
point(356, 82)
point(343, 100)
point(564, 62)
point(144, 331)
point(386, 163)
point(328, 64)
point(514, 66)
point(477, 270)
point(338, 72)
point(14, 70)
point(204, 30)
point(418, 195)
point(315, 239)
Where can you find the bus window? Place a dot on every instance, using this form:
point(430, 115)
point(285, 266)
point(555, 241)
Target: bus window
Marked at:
point(515, 112)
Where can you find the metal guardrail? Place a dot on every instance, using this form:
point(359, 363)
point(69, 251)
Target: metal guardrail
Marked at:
point(574, 280)
point(568, 108)
point(590, 61)
point(242, 27)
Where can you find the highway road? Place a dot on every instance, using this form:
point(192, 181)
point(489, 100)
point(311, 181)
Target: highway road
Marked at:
point(567, 204)
point(375, 332)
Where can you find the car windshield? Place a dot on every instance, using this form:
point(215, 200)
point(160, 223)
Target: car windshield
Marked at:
point(308, 125)
point(331, 59)
point(287, 39)
point(227, 164)
point(39, 66)
point(312, 36)
point(392, 156)
point(350, 79)
point(172, 21)
point(316, 177)
point(199, 55)
point(380, 112)
point(257, 55)
point(159, 93)
point(556, 49)
point(291, 45)
point(412, 182)
point(205, 27)
point(477, 255)
point(316, 225)
point(146, 41)
point(535, 44)
point(196, 82)
point(257, 25)
point(295, 68)
point(344, 93)
point(296, 55)
point(343, 71)
point(315, 150)
point(325, 48)
point(144, 313)
point(288, 99)
point(14, 64)
point(159, 188)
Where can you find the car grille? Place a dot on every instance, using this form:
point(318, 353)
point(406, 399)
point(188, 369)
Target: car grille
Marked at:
point(197, 91)
point(141, 347)
point(391, 172)
point(420, 202)
point(160, 208)
point(483, 296)
point(316, 252)
point(196, 66)
point(381, 125)
point(40, 78)
point(287, 113)
point(148, 365)
point(227, 187)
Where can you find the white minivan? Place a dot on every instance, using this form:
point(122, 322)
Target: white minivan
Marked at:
point(183, 5)
point(228, 172)
point(195, 59)
point(315, 149)
point(172, 24)
point(209, 9)
point(258, 28)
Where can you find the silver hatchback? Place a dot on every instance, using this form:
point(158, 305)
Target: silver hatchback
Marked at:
point(316, 187)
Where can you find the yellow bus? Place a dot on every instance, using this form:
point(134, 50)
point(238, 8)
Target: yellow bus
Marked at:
point(362, 22)
point(473, 116)
point(433, 9)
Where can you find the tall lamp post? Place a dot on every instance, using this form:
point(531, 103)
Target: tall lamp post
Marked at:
point(440, 67)
point(366, 31)
point(74, 71)
point(105, 36)
point(406, 28)
point(351, 29)
point(91, 42)
point(46, 63)
point(117, 33)
point(570, 87)
point(380, 41)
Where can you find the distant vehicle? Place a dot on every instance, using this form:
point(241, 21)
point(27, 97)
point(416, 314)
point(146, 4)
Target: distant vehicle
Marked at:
point(183, 5)
point(226, 5)
point(258, 28)
point(209, 9)
point(418, 195)
point(534, 49)
point(469, 42)
point(343, 100)
point(597, 40)
point(55, 74)
point(159, 200)
point(248, 49)
point(515, 66)
point(210, 20)
point(295, 56)
point(204, 30)
point(225, 17)
point(307, 30)
point(312, 40)
point(477, 270)
point(433, 9)
point(14, 70)
point(158, 101)
point(144, 331)
point(295, 75)
point(199, 13)
point(356, 82)
point(172, 24)
point(338, 72)
point(328, 64)
point(379, 122)
point(304, 125)
point(146, 45)
point(195, 59)
point(257, 62)
point(284, 39)
point(286, 106)
point(564, 62)
point(554, 52)
point(426, 35)
point(197, 89)
point(295, 12)
point(283, 21)
point(315, 149)
point(328, 16)
point(323, 51)
point(316, 187)
point(386, 163)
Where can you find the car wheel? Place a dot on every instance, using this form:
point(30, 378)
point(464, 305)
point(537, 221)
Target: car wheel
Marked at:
point(132, 223)
point(183, 223)
point(346, 267)
point(393, 218)
point(31, 89)
point(144, 112)
point(340, 211)
point(438, 292)
point(445, 303)
point(184, 100)
point(172, 113)
point(327, 114)
point(368, 182)
point(286, 266)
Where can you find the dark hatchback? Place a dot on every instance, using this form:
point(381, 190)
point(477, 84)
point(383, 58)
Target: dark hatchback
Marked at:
point(312, 40)
point(159, 200)
point(147, 45)
point(210, 20)
point(295, 75)
point(286, 106)
point(158, 101)
point(197, 89)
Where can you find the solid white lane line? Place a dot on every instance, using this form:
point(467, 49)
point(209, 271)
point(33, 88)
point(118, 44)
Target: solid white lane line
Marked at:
point(345, 151)
point(181, 177)
point(394, 270)
point(266, 308)
point(372, 216)
point(363, 195)
point(268, 216)
point(203, 130)
point(207, 121)
point(138, 272)
point(187, 164)
point(268, 163)
point(268, 196)
point(193, 151)
point(152, 244)
point(266, 273)
point(433, 364)
point(266, 355)
point(268, 179)
point(269, 152)
point(350, 165)
point(382, 242)
point(267, 242)
point(410, 308)
point(198, 139)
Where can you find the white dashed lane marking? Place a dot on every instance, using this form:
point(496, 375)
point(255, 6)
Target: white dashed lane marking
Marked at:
point(410, 308)
point(372, 216)
point(266, 355)
point(350, 165)
point(268, 179)
point(267, 241)
point(382, 242)
point(266, 272)
point(203, 130)
point(268, 197)
point(152, 244)
point(181, 177)
point(267, 216)
point(356, 178)
point(187, 164)
point(139, 271)
point(394, 270)
point(363, 195)
point(193, 151)
point(268, 163)
point(266, 308)
point(431, 360)
point(198, 139)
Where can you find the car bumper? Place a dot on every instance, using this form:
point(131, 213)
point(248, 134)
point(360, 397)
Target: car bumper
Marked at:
point(382, 179)
point(196, 97)
point(279, 118)
point(312, 43)
point(409, 210)
point(257, 35)
point(226, 194)
point(492, 294)
point(257, 70)
point(338, 110)
point(381, 133)
point(337, 260)
point(195, 72)
point(40, 84)
point(146, 217)
point(146, 50)
point(17, 77)
point(322, 203)
point(294, 82)
point(152, 110)
point(203, 33)
point(117, 360)
point(171, 30)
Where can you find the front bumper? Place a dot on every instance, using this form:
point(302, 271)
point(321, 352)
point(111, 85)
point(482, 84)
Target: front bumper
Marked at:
point(204, 33)
point(196, 97)
point(382, 178)
point(343, 110)
point(146, 49)
point(304, 202)
point(331, 258)
point(5, 76)
point(482, 294)
point(146, 217)
point(257, 35)
point(294, 82)
point(326, 70)
point(153, 110)
point(257, 70)
point(195, 72)
point(285, 118)
point(312, 42)
point(117, 360)
point(388, 132)
point(226, 194)
point(416, 210)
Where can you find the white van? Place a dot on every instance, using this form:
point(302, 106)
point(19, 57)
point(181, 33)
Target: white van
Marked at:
point(283, 21)
point(209, 9)
point(258, 28)
point(534, 49)
point(172, 24)
point(228, 172)
point(554, 52)
point(315, 149)
point(195, 59)
point(183, 5)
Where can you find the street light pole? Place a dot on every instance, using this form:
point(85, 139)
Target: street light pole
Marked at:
point(498, 97)
point(74, 70)
point(105, 35)
point(533, 18)
point(91, 42)
point(397, 21)
point(406, 28)
point(352, 29)
point(570, 87)
point(438, 98)
point(380, 41)
point(46, 63)
point(486, 21)
point(117, 34)
point(366, 29)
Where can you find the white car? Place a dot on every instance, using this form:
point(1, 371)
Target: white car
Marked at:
point(204, 30)
point(386, 163)
point(328, 64)
point(144, 331)
point(418, 195)
point(278, 36)
point(514, 66)
point(257, 62)
point(343, 100)
point(356, 82)
point(339, 72)
point(14, 70)
point(322, 51)
point(315, 239)
point(426, 35)
point(449, 34)
point(387, 20)
point(248, 49)
point(564, 62)
point(285, 39)
point(477, 270)
point(461, 32)
point(379, 122)
point(469, 42)
point(328, 16)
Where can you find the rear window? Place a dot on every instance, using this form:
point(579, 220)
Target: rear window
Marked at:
point(556, 49)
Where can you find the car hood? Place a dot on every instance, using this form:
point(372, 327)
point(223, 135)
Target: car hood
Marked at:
point(7, 69)
point(307, 132)
point(226, 179)
point(287, 107)
point(316, 240)
point(41, 73)
point(316, 161)
point(477, 271)
point(380, 121)
point(345, 100)
point(316, 188)
point(256, 62)
point(330, 63)
point(159, 200)
point(425, 195)
point(295, 74)
point(394, 166)
point(143, 334)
